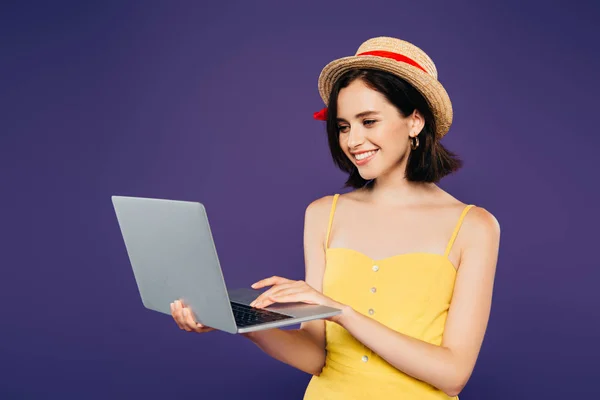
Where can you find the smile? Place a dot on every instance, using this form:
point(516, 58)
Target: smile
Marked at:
point(363, 158)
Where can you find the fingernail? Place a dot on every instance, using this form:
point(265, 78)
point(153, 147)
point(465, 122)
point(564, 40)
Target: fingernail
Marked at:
point(254, 284)
point(185, 312)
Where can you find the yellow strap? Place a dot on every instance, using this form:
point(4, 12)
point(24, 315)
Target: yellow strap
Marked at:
point(335, 197)
point(458, 225)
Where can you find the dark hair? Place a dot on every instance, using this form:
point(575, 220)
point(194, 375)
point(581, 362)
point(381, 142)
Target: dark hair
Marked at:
point(430, 162)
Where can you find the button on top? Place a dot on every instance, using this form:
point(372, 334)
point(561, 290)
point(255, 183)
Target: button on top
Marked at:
point(365, 358)
point(375, 268)
point(373, 289)
point(371, 311)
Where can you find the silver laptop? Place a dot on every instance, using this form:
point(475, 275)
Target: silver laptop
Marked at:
point(173, 256)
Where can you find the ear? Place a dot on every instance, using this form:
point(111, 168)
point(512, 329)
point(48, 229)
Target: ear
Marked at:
point(416, 122)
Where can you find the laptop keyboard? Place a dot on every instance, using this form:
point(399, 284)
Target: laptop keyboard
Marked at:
point(247, 316)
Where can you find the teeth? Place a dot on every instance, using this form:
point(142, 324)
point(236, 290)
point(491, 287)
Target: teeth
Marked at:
point(362, 156)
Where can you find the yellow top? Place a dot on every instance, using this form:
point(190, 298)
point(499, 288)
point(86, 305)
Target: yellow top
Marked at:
point(409, 293)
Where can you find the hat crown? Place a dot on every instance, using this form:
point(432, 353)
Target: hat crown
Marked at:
point(399, 58)
point(402, 47)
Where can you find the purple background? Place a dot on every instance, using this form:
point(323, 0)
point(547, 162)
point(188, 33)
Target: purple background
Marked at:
point(213, 102)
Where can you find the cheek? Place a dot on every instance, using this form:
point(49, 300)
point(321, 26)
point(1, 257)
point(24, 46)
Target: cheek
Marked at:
point(392, 143)
point(386, 138)
point(343, 141)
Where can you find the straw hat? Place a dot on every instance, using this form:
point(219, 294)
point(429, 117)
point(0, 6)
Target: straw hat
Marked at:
point(402, 59)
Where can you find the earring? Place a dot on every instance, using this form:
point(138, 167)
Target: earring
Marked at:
point(414, 142)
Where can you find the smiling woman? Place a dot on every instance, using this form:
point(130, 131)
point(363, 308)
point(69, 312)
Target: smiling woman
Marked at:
point(411, 267)
point(389, 109)
point(416, 294)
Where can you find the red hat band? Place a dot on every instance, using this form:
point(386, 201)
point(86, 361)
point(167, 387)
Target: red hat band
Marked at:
point(322, 115)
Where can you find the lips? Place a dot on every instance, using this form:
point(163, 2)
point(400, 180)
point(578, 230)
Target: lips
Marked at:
point(364, 157)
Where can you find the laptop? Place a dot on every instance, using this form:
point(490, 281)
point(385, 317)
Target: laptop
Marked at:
point(173, 256)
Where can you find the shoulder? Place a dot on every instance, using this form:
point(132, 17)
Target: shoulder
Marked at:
point(317, 212)
point(320, 207)
point(480, 225)
point(316, 218)
point(481, 220)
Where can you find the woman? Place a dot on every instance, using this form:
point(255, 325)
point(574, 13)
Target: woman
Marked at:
point(411, 267)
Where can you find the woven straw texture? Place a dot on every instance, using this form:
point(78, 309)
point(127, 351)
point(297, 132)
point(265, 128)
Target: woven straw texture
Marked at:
point(425, 82)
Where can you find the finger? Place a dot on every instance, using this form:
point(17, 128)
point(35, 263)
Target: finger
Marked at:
point(269, 297)
point(189, 319)
point(198, 327)
point(287, 292)
point(270, 292)
point(263, 296)
point(179, 315)
point(274, 280)
point(185, 319)
point(275, 296)
point(174, 315)
point(302, 297)
point(203, 329)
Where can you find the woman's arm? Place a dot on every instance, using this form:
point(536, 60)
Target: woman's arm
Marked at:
point(293, 347)
point(449, 366)
point(303, 348)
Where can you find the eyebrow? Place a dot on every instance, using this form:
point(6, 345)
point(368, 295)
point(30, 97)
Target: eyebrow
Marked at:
point(361, 114)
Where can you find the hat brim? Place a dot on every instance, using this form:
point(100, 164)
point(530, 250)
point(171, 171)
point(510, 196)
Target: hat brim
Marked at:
point(429, 87)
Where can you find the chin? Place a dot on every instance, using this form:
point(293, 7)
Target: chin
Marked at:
point(368, 175)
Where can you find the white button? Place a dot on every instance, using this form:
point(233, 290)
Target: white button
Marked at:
point(365, 358)
point(373, 290)
point(375, 268)
point(371, 311)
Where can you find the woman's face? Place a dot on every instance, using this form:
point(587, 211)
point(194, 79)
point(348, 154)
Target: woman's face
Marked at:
point(373, 133)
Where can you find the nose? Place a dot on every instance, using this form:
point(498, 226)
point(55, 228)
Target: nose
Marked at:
point(356, 137)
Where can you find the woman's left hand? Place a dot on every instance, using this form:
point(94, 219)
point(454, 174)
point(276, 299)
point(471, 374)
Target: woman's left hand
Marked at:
point(289, 291)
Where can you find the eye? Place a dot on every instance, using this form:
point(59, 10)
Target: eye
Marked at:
point(341, 128)
point(369, 122)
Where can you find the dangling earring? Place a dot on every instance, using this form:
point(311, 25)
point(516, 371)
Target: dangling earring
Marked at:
point(414, 142)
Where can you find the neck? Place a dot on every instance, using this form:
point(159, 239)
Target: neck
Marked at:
point(393, 189)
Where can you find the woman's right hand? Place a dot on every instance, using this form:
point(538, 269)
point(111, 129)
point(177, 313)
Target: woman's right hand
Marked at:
point(184, 319)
